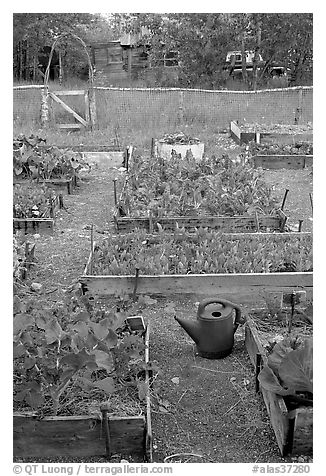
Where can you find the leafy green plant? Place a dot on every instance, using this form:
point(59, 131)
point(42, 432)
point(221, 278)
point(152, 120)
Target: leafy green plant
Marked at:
point(32, 200)
point(204, 251)
point(289, 369)
point(34, 160)
point(299, 148)
point(72, 342)
point(179, 138)
point(211, 186)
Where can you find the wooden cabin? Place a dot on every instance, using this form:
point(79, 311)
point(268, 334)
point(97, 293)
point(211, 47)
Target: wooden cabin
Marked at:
point(124, 59)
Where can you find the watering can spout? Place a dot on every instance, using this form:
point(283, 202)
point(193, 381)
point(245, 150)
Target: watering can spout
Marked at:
point(191, 327)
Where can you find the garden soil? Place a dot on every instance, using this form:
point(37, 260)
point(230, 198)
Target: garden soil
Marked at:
point(200, 406)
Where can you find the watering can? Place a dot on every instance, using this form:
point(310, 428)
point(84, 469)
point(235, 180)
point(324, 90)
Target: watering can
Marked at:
point(213, 331)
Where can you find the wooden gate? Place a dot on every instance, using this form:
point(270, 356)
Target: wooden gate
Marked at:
point(89, 121)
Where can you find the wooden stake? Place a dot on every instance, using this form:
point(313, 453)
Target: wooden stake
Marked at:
point(153, 148)
point(311, 202)
point(257, 222)
point(284, 198)
point(300, 225)
point(92, 246)
point(115, 192)
point(105, 421)
point(136, 285)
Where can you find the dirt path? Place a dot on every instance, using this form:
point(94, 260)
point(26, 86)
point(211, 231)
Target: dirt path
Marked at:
point(210, 407)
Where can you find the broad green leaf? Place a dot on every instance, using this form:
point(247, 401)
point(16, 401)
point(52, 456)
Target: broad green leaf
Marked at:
point(29, 362)
point(296, 369)
point(53, 332)
point(77, 361)
point(18, 350)
point(104, 360)
point(106, 384)
point(142, 390)
point(21, 322)
point(82, 329)
point(269, 381)
point(35, 398)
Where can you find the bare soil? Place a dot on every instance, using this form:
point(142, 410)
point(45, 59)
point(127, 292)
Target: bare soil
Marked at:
point(210, 407)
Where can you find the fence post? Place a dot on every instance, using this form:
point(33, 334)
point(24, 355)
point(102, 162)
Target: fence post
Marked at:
point(180, 108)
point(45, 107)
point(298, 112)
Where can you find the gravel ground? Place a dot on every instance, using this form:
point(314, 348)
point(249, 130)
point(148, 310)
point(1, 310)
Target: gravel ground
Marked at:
point(210, 407)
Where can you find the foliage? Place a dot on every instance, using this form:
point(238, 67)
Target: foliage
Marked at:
point(203, 252)
point(211, 186)
point(32, 159)
point(179, 138)
point(289, 370)
point(34, 34)
point(32, 200)
point(73, 341)
point(203, 39)
point(298, 148)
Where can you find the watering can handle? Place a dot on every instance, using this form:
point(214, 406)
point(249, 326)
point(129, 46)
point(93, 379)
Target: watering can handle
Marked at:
point(238, 319)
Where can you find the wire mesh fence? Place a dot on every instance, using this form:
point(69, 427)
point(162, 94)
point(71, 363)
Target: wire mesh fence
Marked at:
point(171, 108)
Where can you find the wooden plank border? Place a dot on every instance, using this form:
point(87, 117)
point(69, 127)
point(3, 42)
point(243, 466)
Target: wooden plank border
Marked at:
point(293, 429)
point(248, 288)
point(89, 435)
point(219, 223)
point(76, 436)
point(282, 161)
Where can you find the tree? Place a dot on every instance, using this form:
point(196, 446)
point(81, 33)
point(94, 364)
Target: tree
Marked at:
point(34, 33)
point(203, 39)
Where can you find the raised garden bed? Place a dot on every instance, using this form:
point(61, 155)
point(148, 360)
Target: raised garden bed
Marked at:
point(213, 193)
point(60, 184)
point(230, 284)
point(109, 428)
point(179, 144)
point(40, 225)
point(296, 156)
point(283, 161)
point(273, 134)
point(51, 165)
point(292, 423)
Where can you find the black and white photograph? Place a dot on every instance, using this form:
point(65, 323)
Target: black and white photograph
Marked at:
point(162, 241)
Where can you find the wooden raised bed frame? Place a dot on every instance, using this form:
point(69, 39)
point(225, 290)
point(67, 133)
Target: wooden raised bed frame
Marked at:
point(282, 161)
point(247, 288)
point(40, 225)
point(293, 429)
point(218, 223)
point(85, 436)
point(242, 137)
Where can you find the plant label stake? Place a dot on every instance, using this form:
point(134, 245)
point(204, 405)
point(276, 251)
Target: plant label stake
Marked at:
point(293, 296)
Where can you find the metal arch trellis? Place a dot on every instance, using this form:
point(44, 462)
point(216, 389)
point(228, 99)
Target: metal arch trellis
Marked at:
point(89, 94)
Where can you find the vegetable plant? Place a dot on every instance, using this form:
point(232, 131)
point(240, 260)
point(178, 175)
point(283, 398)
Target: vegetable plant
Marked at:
point(204, 252)
point(211, 186)
point(289, 370)
point(32, 200)
point(298, 148)
point(34, 160)
point(73, 342)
